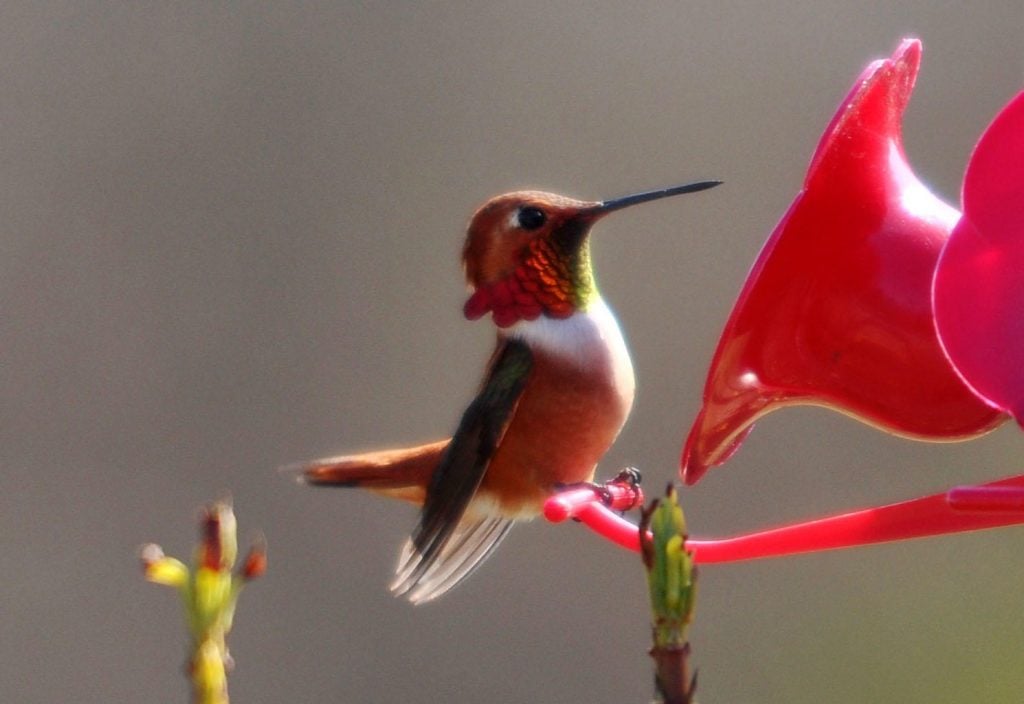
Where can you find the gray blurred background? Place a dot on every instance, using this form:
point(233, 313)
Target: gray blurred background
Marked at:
point(229, 240)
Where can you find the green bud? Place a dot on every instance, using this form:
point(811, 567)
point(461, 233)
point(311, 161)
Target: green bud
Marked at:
point(670, 572)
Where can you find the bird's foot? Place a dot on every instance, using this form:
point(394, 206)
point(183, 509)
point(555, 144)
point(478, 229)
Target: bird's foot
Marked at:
point(629, 476)
point(621, 493)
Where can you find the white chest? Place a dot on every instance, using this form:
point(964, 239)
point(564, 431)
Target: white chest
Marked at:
point(590, 339)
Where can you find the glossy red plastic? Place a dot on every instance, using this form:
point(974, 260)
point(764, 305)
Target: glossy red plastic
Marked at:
point(618, 496)
point(986, 498)
point(837, 309)
point(992, 505)
point(979, 282)
point(585, 506)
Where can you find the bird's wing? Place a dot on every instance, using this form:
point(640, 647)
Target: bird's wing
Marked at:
point(472, 540)
point(446, 546)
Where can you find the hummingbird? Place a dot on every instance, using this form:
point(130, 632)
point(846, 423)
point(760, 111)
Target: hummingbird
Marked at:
point(556, 392)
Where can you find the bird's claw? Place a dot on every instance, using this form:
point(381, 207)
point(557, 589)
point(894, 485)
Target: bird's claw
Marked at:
point(620, 493)
point(630, 476)
point(623, 492)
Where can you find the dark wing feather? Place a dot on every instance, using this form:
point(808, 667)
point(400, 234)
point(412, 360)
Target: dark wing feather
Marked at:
point(473, 539)
point(461, 469)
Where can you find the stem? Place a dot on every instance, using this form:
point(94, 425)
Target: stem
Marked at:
point(672, 681)
point(208, 673)
point(671, 579)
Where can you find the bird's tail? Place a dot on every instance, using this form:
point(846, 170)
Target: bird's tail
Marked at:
point(400, 473)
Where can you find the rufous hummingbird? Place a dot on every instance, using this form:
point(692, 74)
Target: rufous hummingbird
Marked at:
point(557, 390)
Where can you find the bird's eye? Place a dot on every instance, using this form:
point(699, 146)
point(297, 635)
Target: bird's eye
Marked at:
point(531, 218)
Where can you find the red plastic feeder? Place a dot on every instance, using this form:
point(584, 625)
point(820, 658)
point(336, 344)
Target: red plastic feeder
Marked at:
point(837, 310)
point(979, 281)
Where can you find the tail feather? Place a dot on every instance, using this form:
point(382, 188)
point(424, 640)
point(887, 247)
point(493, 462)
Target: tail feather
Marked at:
point(405, 474)
point(400, 473)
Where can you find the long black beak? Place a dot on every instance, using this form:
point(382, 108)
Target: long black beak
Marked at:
point(614, 204)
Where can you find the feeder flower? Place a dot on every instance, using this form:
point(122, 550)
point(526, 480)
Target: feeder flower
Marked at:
point(979, 287)
point(836, 311)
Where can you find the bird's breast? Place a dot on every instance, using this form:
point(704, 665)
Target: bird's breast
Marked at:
point(576, 400)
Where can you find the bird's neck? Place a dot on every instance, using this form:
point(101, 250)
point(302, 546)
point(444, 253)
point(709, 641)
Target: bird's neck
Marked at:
point(573, 256)
point(553, 280)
